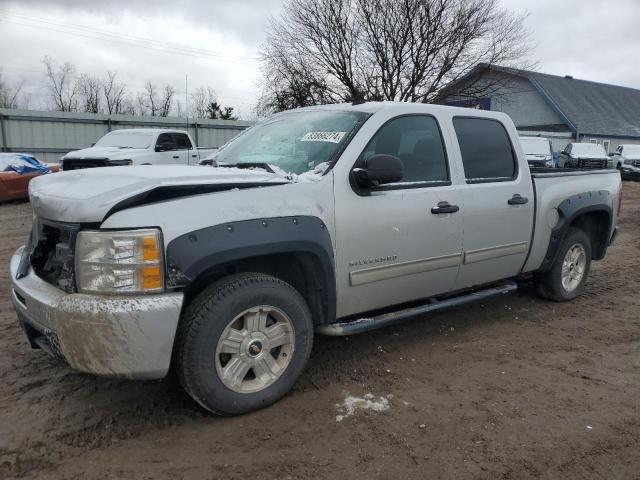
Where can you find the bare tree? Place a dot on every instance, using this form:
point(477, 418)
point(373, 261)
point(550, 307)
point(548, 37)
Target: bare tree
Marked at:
point(323, 51)
point(10, 93)
point(90, 92)
point(154, 102)
point(62, 85)
point(114, 93)
point(168, 92)
point(148, 100)
point(201, 98)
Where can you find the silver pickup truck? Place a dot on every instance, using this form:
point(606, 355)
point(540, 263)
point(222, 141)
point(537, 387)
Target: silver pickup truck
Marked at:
point(332, 220)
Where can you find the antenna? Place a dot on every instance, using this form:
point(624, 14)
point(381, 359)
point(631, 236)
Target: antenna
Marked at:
point(186, 101)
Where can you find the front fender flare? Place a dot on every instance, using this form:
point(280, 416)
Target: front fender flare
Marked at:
point(194, 253)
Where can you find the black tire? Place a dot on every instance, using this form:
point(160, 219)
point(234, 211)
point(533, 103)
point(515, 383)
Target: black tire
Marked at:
point(205, 320)
point(549, 284)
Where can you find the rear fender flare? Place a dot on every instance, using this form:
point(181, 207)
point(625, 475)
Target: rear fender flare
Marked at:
point(570, 209)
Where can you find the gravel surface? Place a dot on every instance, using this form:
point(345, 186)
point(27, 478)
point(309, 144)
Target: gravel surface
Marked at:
point(515, 387)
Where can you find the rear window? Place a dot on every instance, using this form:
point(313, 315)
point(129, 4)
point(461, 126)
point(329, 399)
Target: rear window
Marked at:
point(486, 150)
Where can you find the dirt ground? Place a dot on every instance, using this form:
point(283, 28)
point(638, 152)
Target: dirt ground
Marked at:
point(515, 388)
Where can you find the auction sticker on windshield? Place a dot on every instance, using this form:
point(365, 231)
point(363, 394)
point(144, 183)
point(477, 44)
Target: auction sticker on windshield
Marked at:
point(333, 137)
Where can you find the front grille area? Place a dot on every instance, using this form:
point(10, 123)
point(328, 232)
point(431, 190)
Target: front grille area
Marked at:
point(635, 163)
point(592, 164)
point(52, 253)
point(77, 164)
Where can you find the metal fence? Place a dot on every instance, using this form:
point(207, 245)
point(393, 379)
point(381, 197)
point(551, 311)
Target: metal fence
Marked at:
point(49, 135)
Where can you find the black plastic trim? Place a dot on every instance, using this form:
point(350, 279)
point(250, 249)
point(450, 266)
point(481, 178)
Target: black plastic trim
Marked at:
point(569, 210)
point(195, 253)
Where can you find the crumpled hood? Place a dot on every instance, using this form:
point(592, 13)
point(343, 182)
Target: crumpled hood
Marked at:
point(112, 153)
point(89, 195)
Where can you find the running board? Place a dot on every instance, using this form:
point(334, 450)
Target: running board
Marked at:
point(384, 320)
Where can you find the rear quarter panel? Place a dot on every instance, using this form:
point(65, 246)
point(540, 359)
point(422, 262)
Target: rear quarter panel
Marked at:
point(551, 191)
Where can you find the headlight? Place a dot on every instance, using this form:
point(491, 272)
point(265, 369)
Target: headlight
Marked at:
point(548, 162)
point(628, 162)
point(119, 262)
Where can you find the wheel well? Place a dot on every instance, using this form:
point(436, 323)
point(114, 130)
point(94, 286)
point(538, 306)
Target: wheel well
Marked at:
point(596, 225)
point(303, 271)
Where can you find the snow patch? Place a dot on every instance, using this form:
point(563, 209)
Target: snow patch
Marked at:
point(367, 402)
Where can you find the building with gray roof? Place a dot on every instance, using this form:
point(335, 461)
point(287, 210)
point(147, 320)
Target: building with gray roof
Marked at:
point(564, 109)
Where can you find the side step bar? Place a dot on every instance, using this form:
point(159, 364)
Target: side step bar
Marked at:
point(360, 325)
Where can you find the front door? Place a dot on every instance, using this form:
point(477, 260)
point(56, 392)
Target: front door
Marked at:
point(499, 203)
point(391, 247)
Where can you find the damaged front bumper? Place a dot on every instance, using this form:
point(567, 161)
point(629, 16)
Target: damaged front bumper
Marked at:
point(120, 335)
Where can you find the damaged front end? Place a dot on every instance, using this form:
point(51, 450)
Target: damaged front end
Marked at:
point(50, 252)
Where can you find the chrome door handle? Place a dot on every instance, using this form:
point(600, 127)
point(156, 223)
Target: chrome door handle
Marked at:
point(444, 207)
point(517, 199)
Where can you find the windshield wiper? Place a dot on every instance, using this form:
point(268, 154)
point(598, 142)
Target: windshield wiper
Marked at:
point(248, 165)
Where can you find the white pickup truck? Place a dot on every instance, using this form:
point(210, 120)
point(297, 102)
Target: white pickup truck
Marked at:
point(584, 155)
point(144, 146)
point(333, 220)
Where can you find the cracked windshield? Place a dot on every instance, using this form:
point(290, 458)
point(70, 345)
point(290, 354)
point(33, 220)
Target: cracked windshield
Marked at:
point(292, 143)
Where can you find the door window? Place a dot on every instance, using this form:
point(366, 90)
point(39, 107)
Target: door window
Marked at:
point(417, 142)
point(182, 141)
point(166, 142)
point(487, 153)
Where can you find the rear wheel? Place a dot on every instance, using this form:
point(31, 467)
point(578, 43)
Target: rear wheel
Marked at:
point(567, 277)
point(243, 342)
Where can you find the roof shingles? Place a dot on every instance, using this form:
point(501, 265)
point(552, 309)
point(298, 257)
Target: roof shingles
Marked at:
point(593, 108)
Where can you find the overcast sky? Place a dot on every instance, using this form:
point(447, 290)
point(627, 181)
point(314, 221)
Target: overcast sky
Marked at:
point(215, 42)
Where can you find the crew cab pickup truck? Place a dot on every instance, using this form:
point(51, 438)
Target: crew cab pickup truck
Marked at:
point(584, 155)
point(332, 220)
point(144, 146)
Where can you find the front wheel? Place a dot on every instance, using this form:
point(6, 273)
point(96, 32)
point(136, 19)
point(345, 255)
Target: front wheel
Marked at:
point(243, 342)
point(567, 277)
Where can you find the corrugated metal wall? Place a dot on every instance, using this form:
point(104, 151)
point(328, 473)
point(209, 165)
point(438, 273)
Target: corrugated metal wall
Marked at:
point(49, 135)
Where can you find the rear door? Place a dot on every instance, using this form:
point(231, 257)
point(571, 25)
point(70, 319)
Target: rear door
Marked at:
point(498, 199)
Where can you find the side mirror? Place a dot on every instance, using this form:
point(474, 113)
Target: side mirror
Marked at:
point(379, 169)
point(160, 148)
point(93, 144)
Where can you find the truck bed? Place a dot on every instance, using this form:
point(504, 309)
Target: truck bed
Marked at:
point(554, 185)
